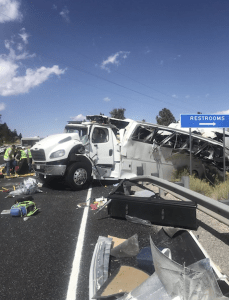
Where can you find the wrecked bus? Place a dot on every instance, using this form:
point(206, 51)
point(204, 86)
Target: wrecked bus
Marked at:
point(105, 148)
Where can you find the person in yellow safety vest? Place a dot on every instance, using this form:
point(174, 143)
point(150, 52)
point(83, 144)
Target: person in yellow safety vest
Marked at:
point(9, 159)
point(29, 157)
point(21, 157)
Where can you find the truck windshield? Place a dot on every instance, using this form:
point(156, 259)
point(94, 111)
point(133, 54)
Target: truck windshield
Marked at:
point(82, 131)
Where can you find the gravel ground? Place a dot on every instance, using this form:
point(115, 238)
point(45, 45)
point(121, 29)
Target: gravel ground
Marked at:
point(214, 237)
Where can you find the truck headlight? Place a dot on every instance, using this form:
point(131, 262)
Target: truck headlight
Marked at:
point(57, 154)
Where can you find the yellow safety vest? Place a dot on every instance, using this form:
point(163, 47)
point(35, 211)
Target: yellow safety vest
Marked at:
point(6, 155)
point(29, 153)
point(23, 155)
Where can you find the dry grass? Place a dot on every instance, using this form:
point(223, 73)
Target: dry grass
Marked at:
point(218, 191)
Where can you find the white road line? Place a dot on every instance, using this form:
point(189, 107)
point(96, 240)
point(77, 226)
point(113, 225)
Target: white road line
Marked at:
point(73, 282)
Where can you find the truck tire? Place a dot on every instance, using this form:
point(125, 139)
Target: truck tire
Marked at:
point(78, 176)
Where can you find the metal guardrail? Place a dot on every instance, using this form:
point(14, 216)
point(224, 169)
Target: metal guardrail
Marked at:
point(210, 206)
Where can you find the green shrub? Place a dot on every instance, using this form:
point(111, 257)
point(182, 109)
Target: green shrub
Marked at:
point(200, 186)
point(177, 174)
point(216, 189)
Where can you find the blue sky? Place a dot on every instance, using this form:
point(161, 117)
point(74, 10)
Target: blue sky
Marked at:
point(65, 59)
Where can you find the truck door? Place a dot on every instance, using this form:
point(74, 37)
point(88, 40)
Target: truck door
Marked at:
point(101, 146)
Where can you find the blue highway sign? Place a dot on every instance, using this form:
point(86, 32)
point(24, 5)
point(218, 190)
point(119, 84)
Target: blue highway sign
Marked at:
point(204, 121)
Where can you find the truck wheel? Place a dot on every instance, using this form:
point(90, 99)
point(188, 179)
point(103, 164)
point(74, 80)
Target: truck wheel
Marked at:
point(78, 176)
point(195, 173)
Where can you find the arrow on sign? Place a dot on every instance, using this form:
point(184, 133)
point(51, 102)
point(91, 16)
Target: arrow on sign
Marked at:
point(208, 124)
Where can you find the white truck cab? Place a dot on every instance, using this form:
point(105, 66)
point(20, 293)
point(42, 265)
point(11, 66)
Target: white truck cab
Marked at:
point(111, 149)
point(84, 150)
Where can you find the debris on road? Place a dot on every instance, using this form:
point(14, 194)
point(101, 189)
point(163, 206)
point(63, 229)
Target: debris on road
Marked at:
point(125, 248)
point(145, 206)
point(99, 203)
point(93, 206)
point(99, 265)
point(28, 187)
point(123, 280)
point(23, 209)
point(82, 205)
point(5, 212)
point(177, 267)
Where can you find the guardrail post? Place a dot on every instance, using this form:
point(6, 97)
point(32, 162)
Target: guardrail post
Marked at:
point(161, 191)
point(186, 181)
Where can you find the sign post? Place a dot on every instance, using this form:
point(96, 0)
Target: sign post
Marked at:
point(190, 148)
point(205, 121)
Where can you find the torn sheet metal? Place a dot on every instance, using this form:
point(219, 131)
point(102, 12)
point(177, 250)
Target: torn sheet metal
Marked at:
point(195, 282)
point(169, 148)
point(177, 282)
point(127, 248)
point(99, 265)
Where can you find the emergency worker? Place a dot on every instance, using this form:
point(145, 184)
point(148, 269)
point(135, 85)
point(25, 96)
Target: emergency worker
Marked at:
point(21, 157)
point(9, 159)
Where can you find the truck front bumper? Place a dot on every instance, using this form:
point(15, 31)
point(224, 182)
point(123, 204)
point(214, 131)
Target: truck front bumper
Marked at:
point(53, 170)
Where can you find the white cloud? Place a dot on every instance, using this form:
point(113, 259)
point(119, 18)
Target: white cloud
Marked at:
point(10, 11)
point(107, 99)
point(24, 36)
point(113, 59)
point(12, 54)
point(65, 14)
point(54, 6)
point(14, 85)
point(11, 83)
point(187, 96)
point(79, 117)
point(20, 47)
point(224, 112)
point(207, 95)
point(2, 106)
point(174, 96)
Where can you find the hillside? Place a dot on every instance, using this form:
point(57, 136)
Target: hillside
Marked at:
point(7, 135)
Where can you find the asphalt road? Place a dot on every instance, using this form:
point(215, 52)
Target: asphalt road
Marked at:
point(36, 255)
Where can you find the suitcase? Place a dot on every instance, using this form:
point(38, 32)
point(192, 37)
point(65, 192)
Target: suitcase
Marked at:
point(155, 209)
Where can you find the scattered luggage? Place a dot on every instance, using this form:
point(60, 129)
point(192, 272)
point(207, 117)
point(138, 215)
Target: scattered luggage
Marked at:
point(22, 209)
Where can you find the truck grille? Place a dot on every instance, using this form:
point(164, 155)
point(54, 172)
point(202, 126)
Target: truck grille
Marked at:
point(38, 155)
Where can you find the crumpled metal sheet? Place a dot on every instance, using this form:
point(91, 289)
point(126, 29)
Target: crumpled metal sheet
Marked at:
point(195, 282)
point(128, 248)
point(99, 265)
